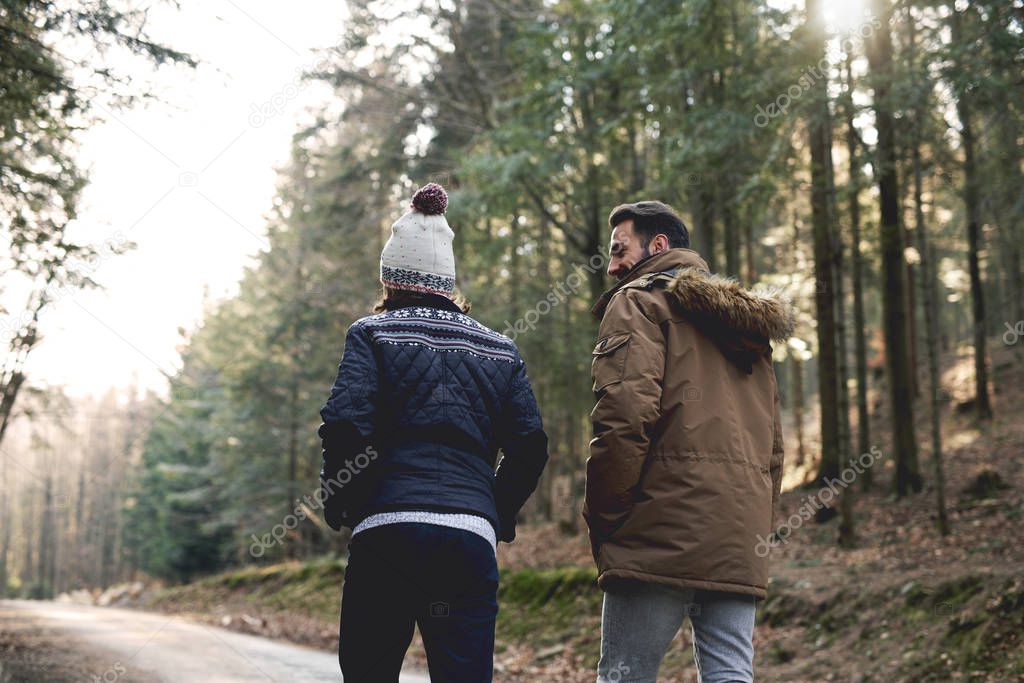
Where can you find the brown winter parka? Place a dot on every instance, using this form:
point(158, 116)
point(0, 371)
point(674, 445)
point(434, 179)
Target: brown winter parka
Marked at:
point(685, 463)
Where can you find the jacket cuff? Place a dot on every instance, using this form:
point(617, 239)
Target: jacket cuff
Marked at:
point(507, 530)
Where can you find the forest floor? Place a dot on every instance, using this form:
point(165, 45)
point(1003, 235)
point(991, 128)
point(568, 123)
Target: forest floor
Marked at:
point(904, 604)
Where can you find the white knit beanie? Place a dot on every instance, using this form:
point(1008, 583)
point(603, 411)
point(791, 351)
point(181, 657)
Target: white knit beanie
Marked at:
point(418, 256)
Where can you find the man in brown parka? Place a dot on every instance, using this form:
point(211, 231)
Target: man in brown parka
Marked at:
point(685, 463)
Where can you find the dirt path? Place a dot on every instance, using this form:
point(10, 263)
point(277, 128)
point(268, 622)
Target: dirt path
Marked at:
point(54, 642)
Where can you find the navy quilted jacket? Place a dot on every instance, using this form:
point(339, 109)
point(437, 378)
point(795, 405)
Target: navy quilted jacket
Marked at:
point(424, 399)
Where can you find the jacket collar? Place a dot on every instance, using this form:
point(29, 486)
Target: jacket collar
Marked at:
point(666, 260)
point(432, 301)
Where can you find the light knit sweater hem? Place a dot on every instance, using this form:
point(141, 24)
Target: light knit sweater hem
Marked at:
point(473, 523)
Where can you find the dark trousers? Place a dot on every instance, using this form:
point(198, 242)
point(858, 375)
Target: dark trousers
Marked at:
point(445, 580)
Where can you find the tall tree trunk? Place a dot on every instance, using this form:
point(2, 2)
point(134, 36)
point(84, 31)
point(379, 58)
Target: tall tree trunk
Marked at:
point(594, 227)
point(894, 299)
point(1010, 224)
point(846, 530)
point(574, 459)
point(107, 532)
point(702, 237)
point(46, 544)
point(859, 327)
point(51, 575)
point(31, 554)
point(798, 408)
point(637, 166)
point(79, 512)
point(798, 371)
point(912, 336)
point(847, 536)
point(928, 300)
point(544, 247)
point(292, 545)
point(972, 205)
point(564, 451)
point(729, 228)
point(819, 139)
point(706, 225)
point(928, 282)
point(1008, 197)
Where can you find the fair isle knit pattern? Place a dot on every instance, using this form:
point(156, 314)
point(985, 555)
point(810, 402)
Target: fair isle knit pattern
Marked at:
point(440, 330)
point(402, 278)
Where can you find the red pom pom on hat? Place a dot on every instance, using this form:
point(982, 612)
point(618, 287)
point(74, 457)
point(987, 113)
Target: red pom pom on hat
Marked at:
point(431, 200)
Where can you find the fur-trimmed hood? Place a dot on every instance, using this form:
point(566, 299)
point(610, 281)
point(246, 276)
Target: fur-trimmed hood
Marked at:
point(761, 312)
point(741, 322)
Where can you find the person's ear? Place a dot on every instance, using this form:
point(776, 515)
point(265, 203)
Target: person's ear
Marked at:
point(660, 244)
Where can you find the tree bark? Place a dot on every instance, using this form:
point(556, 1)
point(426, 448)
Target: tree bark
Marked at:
point(729, 228)
point(928, 300)
point(928, 282)
point(846, 530)
point(44, 584)
point(894, 313)
point(798, 408)
point(819, 138)
point(798, 372)
point(706, 226)
point(982, 405)
point(859, 341)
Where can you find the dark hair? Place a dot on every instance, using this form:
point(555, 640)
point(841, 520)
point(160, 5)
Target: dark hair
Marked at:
point(652, 218)
point(391, 299)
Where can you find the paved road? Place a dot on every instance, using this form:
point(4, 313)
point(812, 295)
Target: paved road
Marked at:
point(163, 647)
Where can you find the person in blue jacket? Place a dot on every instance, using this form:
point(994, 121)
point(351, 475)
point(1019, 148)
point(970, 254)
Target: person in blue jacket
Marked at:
point(424, 399)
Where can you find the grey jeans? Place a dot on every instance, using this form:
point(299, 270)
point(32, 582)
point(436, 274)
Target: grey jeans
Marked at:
point(639, 621)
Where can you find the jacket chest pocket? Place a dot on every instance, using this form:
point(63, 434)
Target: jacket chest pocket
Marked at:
point(608, 364)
